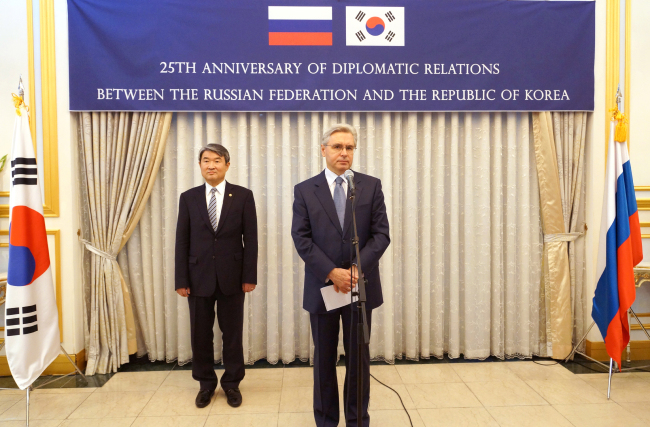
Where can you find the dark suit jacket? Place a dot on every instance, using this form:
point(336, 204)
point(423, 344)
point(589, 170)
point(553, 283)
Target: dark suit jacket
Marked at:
point(323, 245)
point(229, 255)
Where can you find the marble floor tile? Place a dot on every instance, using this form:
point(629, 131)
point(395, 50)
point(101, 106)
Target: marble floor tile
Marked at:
point(32, 423)
point(114, 405)
point(427, 374)
point(8, 400)
point(395, 418)
point(262, 378)
point(299, 419)
point(134, 381)
point(175, 421)
point(544, 370)
point(297, 399)
point(599, 415)
point(387, 374)
point(382, 398)
point(642, 375)
point(506, 393)
point(631, 389)
point(299, 377)
point(600, 376)
point(175, 402)
point(104, 422)
point(259, 401)
point(65, 390)
point(13, 392)
point(243, 420)
point(567, 392)
point(442, 395)
point(46, 406)
point(482, 372)
point(528, 416)
point(180, 380)
point(638, 409)
point(457, 417)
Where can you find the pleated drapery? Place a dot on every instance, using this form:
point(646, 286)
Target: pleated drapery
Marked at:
point(120, 158)
point(462, 275)
point(559, 148)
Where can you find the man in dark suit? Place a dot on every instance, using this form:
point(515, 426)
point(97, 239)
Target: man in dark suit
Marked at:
point(216, 260)
point(321, 231)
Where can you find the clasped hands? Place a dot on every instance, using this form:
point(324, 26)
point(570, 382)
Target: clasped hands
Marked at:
point(341, 278)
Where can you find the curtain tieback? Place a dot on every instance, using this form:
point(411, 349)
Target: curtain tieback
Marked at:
point(99, 252)
point(562, 237)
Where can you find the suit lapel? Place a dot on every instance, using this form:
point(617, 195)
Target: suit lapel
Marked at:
point(202, 204)
point(324, 196)
point(348, 206)
point(227, 201)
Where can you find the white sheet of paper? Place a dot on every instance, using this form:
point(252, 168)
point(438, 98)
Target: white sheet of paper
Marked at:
point(335, 299)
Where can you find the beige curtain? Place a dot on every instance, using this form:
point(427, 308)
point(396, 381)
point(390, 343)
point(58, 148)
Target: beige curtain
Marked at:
point(559, 153)
point(120, 157)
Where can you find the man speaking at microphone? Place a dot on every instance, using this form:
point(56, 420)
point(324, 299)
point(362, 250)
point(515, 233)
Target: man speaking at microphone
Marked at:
point(322, 231)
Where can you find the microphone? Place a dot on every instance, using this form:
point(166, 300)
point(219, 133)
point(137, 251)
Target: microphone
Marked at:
point(349, 176)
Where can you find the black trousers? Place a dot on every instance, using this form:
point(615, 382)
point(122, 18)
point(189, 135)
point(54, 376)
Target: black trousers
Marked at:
point(325, 332)
point(230, 314)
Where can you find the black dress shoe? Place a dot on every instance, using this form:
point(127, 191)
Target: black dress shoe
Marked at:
point(234, 397)
point(203, 398)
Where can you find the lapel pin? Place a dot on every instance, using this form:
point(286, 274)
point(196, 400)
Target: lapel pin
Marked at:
point(229, 195)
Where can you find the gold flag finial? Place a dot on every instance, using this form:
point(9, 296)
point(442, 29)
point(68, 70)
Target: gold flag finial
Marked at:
point(620, 132)
point(20, 98)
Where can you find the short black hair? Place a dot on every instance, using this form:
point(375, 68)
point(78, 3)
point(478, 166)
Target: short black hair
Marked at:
point(217, 149)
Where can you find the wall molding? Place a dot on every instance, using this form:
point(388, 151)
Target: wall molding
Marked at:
point(57, 275)
point(639, 350)
point(49, 108)
point(60, 366)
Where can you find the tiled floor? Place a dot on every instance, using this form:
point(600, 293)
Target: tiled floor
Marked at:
point(514, 393)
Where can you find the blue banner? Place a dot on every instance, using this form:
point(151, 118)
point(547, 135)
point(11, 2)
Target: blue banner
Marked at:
point(319, 55)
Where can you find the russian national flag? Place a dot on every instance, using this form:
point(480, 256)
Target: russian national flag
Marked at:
point(618, 252)
point(300, 26)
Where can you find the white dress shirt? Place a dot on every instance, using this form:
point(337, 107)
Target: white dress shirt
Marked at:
point(331, 181)
point(221, 189)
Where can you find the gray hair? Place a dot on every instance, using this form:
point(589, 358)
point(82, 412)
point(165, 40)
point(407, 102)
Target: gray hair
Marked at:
point(339, 127)
point(217, 149)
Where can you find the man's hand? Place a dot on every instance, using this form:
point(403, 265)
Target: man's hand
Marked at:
point(341, 279)
point(184, 292)
point(248, 287)
point(355, 273)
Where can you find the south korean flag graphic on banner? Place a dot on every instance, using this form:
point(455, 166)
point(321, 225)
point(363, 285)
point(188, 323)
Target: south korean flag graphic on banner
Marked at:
point(31, 317)
point(374, 26)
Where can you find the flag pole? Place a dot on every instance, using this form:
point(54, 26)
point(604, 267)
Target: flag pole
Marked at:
point(27, 414)
point(618, 98)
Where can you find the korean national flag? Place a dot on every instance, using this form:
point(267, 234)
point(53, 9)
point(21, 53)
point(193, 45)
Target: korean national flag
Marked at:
point(374, 26)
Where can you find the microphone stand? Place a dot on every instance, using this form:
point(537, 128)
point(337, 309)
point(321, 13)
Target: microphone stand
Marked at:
point(363, 337)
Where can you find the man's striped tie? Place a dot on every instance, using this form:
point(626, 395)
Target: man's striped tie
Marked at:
point(212, 209)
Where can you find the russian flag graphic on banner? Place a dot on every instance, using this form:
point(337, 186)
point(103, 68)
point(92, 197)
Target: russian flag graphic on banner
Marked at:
point(300, 26)
point(31, 317)
point(618, 252)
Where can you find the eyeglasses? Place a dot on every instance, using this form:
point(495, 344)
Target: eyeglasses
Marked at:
point(337, 148)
